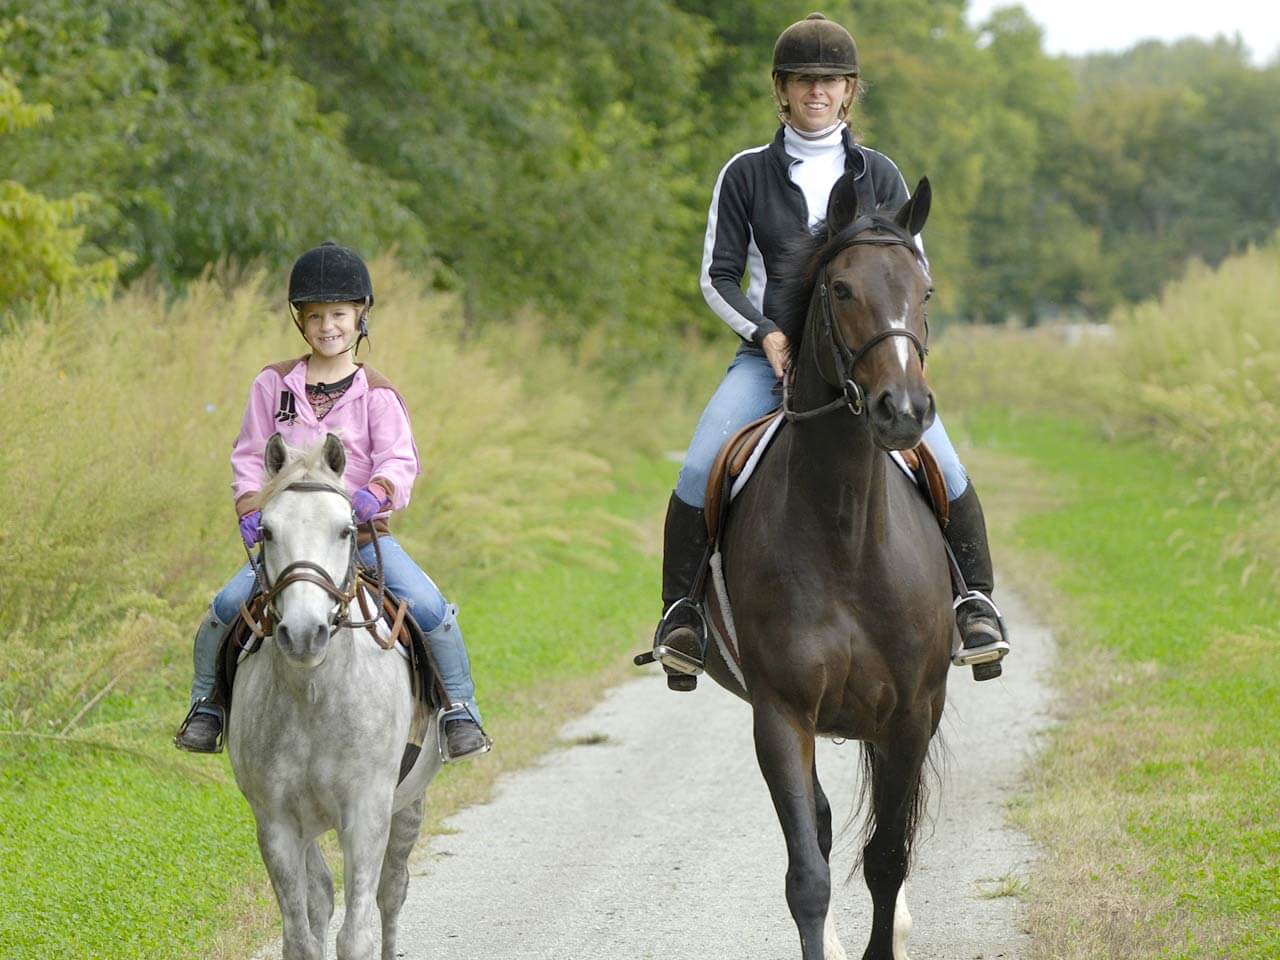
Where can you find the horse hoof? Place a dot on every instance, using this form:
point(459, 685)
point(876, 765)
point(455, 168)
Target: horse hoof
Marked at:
point(682, 682)
point(987, 671)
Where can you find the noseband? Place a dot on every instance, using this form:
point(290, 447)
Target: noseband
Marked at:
point(844, 359)
point(305, 571)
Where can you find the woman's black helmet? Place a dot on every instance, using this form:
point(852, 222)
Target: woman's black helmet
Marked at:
point(329, 274)
point(815, 45)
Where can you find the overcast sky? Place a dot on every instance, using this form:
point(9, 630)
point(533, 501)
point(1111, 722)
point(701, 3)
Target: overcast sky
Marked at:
point(1083, 26)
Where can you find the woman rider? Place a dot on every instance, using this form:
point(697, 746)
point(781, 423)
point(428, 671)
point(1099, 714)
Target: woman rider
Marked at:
point(763, 197)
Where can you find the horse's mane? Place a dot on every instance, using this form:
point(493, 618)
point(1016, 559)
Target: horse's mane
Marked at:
point(299, 465)
point(803, 259)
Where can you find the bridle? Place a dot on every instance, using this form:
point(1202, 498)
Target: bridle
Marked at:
point(843, 358)
point(305, 571)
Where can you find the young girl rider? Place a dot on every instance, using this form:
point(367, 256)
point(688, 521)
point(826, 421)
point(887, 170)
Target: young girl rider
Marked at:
point(326, 391)
point(763, 197)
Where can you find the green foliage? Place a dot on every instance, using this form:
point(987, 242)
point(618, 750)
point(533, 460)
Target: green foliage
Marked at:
point(559, 155)
point(1197, 371)
point(41, 245)
point(1170, 154)
point(199, 143)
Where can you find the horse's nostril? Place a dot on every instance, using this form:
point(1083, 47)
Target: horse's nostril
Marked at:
point(320, 637)
point(282, 635)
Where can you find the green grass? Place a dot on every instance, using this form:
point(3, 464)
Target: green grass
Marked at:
point(132, 850)
point(1159, 797)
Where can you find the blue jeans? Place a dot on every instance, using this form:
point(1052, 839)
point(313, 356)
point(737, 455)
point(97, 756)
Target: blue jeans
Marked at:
point(428, 607)
point(748, 391)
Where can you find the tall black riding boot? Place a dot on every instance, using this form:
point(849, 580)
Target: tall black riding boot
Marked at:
point(983, 641)
point(678, 641)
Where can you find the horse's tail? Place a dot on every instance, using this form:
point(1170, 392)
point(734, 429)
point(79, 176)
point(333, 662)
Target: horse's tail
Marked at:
point(917, 800)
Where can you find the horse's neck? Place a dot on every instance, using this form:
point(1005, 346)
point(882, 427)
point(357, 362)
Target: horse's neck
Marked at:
point(833, 458)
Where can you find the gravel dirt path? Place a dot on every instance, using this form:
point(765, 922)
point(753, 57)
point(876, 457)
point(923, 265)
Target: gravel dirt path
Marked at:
point(650, 834)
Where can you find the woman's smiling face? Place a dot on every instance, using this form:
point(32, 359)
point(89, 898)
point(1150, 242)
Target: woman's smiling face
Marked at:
point(815, 101)
point(330, 328)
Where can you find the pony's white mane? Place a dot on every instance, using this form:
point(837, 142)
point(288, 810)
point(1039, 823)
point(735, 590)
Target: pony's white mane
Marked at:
point(299, 465)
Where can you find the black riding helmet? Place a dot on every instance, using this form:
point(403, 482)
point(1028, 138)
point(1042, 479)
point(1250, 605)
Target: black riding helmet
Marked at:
point(330, 274)
point(815, 45)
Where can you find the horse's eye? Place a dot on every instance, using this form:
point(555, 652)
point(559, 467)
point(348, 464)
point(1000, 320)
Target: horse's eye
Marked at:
point(266, 533)
point(842, 290)
point(346, 533)
point(928, 295)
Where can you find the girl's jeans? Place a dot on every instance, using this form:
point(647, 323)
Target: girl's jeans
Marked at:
point(748, 391)
point(437, 618)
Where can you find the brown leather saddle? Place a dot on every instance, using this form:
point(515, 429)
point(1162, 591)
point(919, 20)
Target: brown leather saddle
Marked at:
point(249, 628)
point(737, 450)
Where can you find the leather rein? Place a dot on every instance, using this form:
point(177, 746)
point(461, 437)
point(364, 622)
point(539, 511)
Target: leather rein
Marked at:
point(305, 571)
point(844, 359)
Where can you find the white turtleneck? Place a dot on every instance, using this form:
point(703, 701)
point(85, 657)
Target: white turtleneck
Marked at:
point(820, 162)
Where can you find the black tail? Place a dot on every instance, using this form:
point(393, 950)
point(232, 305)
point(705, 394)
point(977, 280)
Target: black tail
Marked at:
point(917, 802)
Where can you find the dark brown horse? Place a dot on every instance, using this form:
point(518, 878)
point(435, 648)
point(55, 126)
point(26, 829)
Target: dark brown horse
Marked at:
point(836, 567)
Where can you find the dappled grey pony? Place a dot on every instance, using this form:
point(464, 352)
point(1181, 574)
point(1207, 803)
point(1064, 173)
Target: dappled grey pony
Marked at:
point(835, 565)
point(319, 721)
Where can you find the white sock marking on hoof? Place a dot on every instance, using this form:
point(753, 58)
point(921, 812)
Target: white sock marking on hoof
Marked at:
point(832, 948)
point(901, 925)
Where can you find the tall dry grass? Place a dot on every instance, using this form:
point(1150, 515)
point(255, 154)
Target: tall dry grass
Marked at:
point(1197, 371)
point(118, 521)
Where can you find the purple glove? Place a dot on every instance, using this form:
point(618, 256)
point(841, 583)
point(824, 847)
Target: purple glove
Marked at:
point(251, 527)
point(368, 504)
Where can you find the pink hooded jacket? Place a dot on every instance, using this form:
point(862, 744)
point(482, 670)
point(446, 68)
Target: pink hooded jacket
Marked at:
point(370, 418)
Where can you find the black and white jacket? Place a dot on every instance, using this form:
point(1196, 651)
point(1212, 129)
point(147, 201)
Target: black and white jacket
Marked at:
point(755, 209)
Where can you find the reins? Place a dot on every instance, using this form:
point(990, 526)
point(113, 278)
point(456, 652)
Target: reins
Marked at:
point(305, 571)
point(843, 358)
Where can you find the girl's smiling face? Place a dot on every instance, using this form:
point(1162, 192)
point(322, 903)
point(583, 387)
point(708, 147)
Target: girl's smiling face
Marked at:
point(330, 328)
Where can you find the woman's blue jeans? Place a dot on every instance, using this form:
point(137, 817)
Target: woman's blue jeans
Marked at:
point(437, 617)
point(748, 391)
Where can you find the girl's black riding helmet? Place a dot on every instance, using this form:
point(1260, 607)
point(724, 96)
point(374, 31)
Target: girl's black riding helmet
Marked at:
point(330, 274)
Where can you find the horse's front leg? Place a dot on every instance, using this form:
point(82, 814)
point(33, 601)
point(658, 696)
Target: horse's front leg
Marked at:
point(832, 948)
point(784, 749)
point(284, 854)
point(363, 835)
point(319, 894)
point(394, 883)
point(896, 766)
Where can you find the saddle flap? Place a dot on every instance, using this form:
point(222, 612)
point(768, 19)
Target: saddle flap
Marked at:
point(729, 464)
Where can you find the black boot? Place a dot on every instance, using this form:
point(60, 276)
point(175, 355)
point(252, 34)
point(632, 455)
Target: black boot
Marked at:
point(678, 642)
point(983, 640)
point(201, 732)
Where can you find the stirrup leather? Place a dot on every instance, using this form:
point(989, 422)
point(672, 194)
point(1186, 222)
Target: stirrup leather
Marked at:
point(963, 656)
point(670, 657)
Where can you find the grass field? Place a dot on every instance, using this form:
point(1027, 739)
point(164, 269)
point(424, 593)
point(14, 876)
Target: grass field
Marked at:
point(1158, 798)
point(131, 850)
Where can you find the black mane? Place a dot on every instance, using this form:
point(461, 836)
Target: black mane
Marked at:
point(804, 258)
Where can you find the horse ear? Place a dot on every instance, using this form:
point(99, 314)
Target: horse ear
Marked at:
point(915, 211)
point(842, 205)
point(335, 455)
point(275, 455)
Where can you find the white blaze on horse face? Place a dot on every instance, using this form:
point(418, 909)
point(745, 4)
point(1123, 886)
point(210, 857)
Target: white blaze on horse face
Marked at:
point(901, 924)
point(900, 343)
